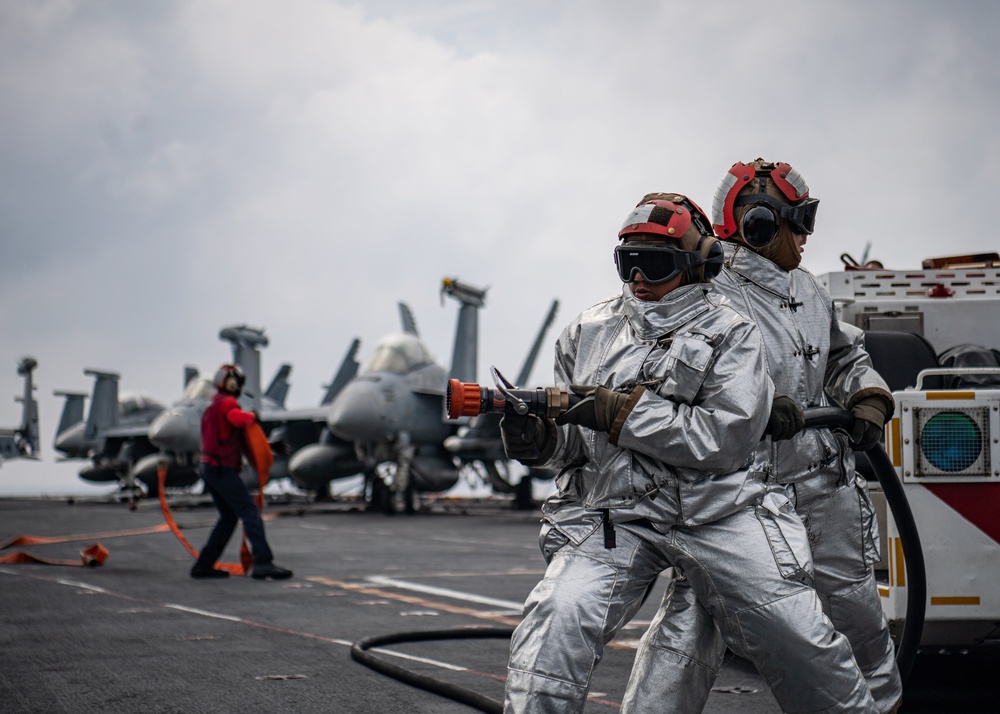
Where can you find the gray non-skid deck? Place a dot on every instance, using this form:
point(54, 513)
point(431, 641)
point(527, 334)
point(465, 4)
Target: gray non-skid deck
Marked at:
point(138, 635)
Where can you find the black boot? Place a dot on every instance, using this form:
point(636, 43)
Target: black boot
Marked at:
point(201, 571)
point(269, 570)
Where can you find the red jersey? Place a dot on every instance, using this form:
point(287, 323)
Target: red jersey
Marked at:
point(222, 425)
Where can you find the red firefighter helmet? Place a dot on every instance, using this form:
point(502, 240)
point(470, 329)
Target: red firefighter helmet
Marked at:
point(794, 204)
point(225, 372)
point(684, 229)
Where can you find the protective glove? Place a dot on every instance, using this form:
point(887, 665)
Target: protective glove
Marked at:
point(528, 439)
point(597, 410)
point(870, 414)
point(786, 418)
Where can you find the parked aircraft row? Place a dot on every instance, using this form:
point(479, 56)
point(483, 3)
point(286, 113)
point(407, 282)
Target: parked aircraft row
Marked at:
point(386, 422)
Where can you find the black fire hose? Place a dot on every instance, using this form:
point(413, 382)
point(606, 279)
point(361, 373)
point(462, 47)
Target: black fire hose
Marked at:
point(360, 653)
point(913, 554)
point(816, 417)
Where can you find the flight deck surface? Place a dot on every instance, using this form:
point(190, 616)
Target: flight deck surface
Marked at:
point(139, 635)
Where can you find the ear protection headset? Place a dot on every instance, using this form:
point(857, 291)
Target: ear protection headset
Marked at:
point(761, 224)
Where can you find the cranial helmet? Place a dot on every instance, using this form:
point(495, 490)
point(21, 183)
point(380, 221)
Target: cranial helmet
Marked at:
point(225, 372)
point(761, 204)
point(689, 246)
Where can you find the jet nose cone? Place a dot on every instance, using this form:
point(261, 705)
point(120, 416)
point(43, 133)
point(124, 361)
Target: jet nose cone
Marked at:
point(359, 413)
point(174, 431)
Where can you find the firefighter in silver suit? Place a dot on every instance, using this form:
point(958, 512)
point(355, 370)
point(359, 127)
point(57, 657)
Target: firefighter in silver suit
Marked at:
point(764, 213)
point(657, 471)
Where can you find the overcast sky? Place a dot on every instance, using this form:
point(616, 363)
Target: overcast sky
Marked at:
point(167, 169)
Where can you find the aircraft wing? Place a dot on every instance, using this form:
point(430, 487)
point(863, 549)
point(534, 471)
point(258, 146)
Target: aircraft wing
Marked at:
point(125, 432)
point(312, 414)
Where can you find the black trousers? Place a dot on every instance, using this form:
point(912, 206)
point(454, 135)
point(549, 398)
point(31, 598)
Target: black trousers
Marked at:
point(234, 503)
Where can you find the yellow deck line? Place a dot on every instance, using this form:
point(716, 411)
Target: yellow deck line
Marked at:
point(955, 600)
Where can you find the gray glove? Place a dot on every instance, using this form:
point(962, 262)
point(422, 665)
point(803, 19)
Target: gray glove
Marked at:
point(786, 418)
point(528, 439)
point(870, 414)
point(597, 410)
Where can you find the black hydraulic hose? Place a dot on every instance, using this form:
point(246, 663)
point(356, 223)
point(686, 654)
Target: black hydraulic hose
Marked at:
point(359, 652)
point(913, 554)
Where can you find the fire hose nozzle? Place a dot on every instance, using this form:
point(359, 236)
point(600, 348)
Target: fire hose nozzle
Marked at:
point(466, 399)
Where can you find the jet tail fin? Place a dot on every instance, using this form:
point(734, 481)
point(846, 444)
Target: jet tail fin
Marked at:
point(277, 391)
point(23, 441)
point(103, 412)
point(189, 374)
point(348, 368)
point(465, 354)
point(529, 362)
point(407, 320)
point(72, 411)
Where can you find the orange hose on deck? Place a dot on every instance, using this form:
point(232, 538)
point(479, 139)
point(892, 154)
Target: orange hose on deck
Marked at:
point(92, 556)
point(45, 540)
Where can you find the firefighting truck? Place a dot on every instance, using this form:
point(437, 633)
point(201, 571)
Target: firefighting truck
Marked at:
point(932, 334)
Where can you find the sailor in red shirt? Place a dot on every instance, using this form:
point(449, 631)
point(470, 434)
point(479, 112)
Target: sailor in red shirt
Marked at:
point(221, 435)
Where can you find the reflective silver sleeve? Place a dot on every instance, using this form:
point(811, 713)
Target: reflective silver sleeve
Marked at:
point(849, 368)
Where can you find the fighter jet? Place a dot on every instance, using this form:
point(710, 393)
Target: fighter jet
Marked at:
point(22, 441)
point(75, 440)
point(116, 433)
point(176, 432)
point(317, 456)
point(393, 412)
point(113, 434)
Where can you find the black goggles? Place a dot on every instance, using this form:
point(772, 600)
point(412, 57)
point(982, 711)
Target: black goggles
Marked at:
point(760, 224)
point(653, 263)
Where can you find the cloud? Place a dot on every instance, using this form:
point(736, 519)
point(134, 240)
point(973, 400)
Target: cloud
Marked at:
point(168, 170)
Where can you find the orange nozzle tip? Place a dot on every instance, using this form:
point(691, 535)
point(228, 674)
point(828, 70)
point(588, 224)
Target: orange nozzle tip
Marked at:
point(463, 399)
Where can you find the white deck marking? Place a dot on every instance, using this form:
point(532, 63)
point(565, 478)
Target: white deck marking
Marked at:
point(231, 618)
point(78, 584)
point(424, 660)
point(204, 613)
point(510, 605)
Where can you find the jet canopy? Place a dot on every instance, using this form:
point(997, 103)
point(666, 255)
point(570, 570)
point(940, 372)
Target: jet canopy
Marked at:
point(199, 388)
point(133, 402)
point(400, 354)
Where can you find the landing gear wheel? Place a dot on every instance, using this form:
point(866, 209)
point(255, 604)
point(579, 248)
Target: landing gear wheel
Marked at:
point(391, 499)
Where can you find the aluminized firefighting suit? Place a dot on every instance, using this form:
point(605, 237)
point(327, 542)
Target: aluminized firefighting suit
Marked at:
point(676, 489)
point(817, 361)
